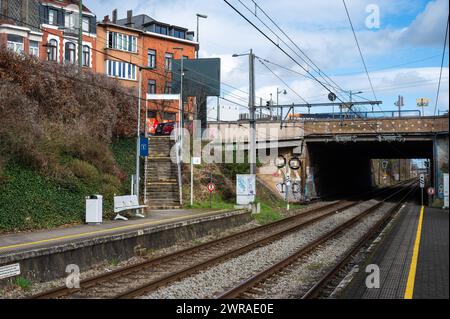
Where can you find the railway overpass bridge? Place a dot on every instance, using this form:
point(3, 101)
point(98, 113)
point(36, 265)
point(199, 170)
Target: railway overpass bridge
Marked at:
point(336, 154)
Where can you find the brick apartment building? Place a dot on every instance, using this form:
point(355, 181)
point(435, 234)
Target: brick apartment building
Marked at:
point(48, 29)
point(115, 47)
point(20, 26)
point(142, 41)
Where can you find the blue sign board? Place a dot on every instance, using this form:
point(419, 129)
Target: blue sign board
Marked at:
point(144, 152)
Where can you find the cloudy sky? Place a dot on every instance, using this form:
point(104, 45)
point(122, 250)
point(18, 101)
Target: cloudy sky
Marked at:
point(402, 50)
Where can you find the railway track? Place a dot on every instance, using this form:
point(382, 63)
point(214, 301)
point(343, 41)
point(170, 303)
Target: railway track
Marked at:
point(254, 285)
point(139, 279)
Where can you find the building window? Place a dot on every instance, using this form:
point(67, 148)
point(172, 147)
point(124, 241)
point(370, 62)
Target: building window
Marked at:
point(160, 29)
point(86, 56)
point(34, 48)
point(179, 34)
point(169, 59)
point(15, 43)
point(53, 50)
point(122, 42)
point(52, 17)
point(151, 87)
point(69, 20)
point(121, 70)
point(168, 88)
point(86, 24)
point(152, 59)
point(185, 57)
point(70, 49)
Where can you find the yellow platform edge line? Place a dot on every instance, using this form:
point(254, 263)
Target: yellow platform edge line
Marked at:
point(80, 235)
point(413, 267)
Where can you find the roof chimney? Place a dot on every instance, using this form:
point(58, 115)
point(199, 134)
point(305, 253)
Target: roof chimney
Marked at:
point(106, 18)
point(129, 18)
point(114, 16)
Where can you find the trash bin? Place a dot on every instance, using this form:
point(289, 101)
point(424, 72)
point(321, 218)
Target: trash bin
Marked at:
point(94, 209)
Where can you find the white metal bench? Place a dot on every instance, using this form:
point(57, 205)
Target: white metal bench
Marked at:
point(129, 202)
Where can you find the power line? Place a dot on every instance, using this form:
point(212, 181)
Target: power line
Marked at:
point(276, 75)
point(442, 66)
point(295, 61)
point(359, 49)
point(318, 70)
point(280, 39)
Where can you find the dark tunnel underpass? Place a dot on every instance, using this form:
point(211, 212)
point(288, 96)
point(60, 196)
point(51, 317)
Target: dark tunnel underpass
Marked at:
point(345, 168)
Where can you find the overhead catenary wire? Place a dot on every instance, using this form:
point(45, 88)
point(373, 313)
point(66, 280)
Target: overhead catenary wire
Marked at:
point(280, 39)
point(314, 65)
point(442, 66)
point(284, 82)
point(295, 61)
point(359, 49)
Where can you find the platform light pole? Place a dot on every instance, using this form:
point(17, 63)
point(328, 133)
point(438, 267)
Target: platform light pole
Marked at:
point(203, 16)
point(252, 110)
point(181, 105)
point(138, 137)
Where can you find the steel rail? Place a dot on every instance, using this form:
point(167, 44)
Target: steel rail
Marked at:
point(263, 275)
point(314, 291)
point(153, 285)
point(85, 284)
point(93, 281)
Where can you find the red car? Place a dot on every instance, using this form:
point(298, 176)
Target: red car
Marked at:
point(165, 128)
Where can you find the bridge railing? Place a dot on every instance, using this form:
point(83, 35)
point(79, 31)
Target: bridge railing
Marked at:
point(337, 115)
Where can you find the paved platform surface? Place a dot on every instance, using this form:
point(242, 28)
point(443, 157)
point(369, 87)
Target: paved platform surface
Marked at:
point(413, 258)
point(26, 241)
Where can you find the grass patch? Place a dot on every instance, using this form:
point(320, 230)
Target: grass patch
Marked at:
point(268, 214)
point(216, 203)
point(114, 262)
point(23, 283)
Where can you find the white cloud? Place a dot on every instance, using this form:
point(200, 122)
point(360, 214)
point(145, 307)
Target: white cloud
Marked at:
point(321, 29)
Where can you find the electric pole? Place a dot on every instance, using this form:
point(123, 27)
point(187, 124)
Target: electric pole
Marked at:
point(80, 35)
point(252, 109)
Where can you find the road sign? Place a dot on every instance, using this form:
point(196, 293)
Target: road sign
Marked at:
point(431, 191)
point(143, 147)
point(422, 102)
point(211, 187)
point(422, 180)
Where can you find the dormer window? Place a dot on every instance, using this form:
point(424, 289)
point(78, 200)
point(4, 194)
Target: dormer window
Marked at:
point(161, 30)
point(85, 24)
point(70, 20)
point(179, 34)
point(52, 17)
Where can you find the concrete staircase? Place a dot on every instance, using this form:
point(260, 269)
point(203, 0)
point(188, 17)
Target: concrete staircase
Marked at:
point(162, 189)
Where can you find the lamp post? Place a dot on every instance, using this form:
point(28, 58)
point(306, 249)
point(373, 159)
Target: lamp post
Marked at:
point(203, 16)
point(181, 105)
point(138, 139)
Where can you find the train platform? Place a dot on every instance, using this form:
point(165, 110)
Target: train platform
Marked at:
point(412, 256)
point(86, 245)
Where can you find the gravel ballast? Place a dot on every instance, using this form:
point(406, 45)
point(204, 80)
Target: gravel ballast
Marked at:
point(221, 277)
